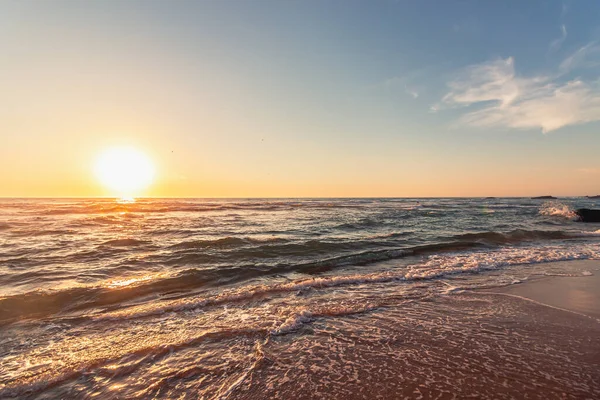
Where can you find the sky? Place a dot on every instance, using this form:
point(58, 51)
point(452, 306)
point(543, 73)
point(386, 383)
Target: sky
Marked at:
point(303, 98)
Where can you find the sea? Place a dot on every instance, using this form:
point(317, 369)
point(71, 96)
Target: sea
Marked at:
point(283, 298)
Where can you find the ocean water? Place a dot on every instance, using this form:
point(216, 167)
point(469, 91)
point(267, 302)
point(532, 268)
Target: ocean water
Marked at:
point(167, 298)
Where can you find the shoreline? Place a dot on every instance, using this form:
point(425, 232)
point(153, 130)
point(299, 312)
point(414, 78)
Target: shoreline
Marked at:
point(538, 339)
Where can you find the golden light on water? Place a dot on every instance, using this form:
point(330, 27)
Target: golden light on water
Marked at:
point(113, 284)
point(125, 171)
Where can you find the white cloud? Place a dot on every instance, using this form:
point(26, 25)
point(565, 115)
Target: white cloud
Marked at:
point(555, 45)
point(493, 81)
point(582, 58)
point(413, 93)
point(507, 100)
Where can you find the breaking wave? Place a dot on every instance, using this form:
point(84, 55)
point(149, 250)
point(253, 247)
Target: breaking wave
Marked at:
point(556, 209)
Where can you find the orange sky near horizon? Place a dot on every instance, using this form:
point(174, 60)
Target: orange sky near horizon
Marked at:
point(171, 181)
point(61, 164)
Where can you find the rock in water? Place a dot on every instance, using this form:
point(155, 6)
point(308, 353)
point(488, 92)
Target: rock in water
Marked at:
point(588, 215)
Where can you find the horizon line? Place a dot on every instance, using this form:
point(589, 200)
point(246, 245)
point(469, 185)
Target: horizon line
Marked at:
point(290, 197)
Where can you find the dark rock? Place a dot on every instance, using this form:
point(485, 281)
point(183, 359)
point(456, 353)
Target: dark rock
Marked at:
point(587, 215)
point(544, 198)
point(594, 197)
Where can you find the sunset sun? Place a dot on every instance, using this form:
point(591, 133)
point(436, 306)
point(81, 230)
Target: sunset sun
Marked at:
point(125, 171)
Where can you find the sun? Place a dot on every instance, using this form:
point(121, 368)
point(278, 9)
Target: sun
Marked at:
point(125, 171)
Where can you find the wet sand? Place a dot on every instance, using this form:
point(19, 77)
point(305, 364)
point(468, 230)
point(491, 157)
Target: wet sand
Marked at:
point(535, 340)
point(580, 294)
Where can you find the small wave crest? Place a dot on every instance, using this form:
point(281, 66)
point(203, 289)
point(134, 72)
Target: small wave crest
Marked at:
point(515, 236)
point(126, 242)
point(223, 242)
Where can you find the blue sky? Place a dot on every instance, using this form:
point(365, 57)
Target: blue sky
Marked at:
point(305, 98)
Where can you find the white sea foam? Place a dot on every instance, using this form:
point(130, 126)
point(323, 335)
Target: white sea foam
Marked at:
point(555, 209)
point(450, 264)
point(293, 323)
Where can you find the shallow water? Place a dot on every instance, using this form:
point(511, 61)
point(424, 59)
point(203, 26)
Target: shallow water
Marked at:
point(168, 298)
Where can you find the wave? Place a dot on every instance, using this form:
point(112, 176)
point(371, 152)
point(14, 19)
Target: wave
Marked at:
point(400, 209)
point(39, 304)
point(358, 225)
point(104, 219)
point(42, 232)
point(363, 258)
point(556, 209)
point(443, 265)
point(274, 252)
point(126, 360)
point(313, 247)
point(201, 244)
point(304, 316)
point(434, 268)
point(104, 366)
point(515, 236)
point(157, 206)
point(245, 268)
point(137, 208)
point(456, 243)
point(374, 256)
point(126, 242)
point(224, 242)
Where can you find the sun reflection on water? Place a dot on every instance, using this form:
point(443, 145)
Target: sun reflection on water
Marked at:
point(113, 284)
point(126, 200)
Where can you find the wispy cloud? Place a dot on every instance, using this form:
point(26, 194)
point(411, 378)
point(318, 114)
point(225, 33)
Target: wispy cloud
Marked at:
point(412, 92)
point(585, 57)
point(508, 100)
point(555, 45)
